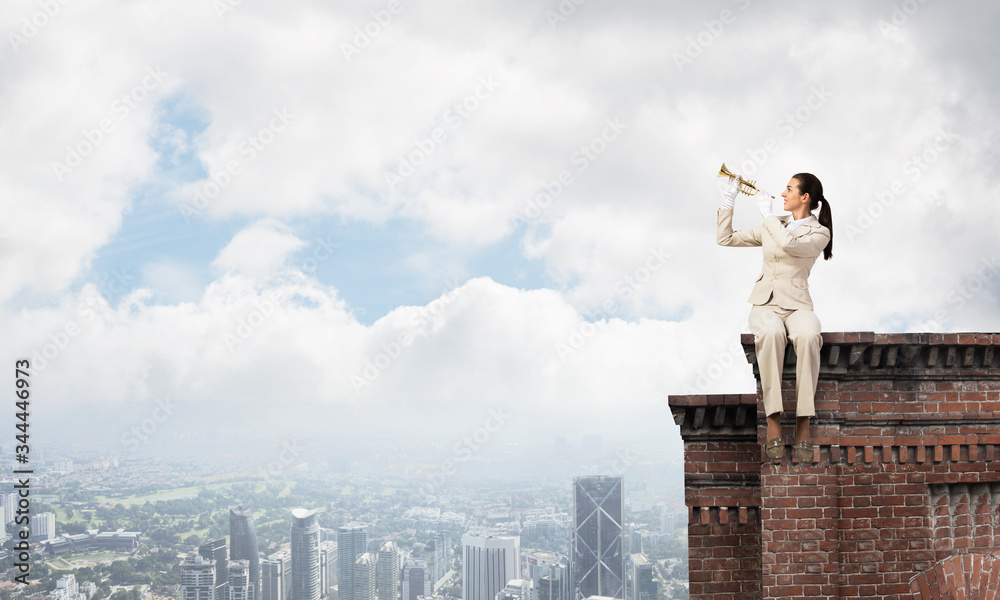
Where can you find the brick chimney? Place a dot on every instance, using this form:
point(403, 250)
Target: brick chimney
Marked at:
point(902, 501)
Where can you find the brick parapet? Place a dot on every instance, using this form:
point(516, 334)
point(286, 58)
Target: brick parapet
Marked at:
point(868, 355)
point(905, 489)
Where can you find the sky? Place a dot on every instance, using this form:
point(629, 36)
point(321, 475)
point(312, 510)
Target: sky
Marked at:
point(402, 215)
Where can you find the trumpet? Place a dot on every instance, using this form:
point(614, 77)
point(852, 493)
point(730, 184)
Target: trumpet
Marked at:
point(748, 187)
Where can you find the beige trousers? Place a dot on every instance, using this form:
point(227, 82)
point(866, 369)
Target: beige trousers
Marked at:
point(772, 326)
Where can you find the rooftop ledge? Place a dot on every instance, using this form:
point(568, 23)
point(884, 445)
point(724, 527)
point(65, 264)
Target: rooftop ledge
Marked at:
point(870, 355)
point(868, 379)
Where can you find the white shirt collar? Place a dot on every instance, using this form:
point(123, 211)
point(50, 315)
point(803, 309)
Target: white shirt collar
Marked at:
point(793, 224)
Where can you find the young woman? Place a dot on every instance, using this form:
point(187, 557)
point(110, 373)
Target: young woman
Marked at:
point(782, 308)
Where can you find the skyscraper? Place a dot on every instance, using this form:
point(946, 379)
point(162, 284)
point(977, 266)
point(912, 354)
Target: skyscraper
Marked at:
point(598, 557)
point(430, 556)
point(634, 539)
point(549, 575)
point(488, 563)
point(516, 589)
point(9, 506)
point(328, 565)
point(352, 540)
point(240, 586)
point(414, 579)
point(43, 527)
point(643, 584)
point(197, 578)
point(276, 576)
point(216, 550)
point(387, 572)
point(305, 555)
point(364, 577)
point(243, 541)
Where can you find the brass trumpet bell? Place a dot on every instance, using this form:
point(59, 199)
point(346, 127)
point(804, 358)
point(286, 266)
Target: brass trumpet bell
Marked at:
point(748, 187)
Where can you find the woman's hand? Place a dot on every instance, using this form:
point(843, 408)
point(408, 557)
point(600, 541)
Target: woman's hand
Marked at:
point(730, 192)
point(764, 202)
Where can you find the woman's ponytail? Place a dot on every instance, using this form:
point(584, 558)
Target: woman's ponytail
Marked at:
point(826, 220)
point(810, 184)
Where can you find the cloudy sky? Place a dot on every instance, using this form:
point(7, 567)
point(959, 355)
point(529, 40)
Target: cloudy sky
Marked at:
point(430, 209)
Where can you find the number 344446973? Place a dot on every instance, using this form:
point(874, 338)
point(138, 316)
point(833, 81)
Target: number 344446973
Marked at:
point(22, 390)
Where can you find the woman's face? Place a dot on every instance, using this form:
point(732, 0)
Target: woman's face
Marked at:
point(793, 199)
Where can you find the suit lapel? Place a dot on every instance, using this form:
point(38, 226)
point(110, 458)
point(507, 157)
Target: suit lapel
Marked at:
point(806, 227)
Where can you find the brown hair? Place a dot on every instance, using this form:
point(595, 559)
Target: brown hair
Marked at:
point(810, 184)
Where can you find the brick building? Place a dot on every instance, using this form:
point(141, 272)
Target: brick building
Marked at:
point(903, 500)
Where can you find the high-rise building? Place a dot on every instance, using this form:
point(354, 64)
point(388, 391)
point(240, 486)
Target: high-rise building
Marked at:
point(67, 587)
point(364, 577)
point(352, 541)
point(429, 555)
point(216, 550)
point(666, 521)
point(243, 541)
point(387, 572)
point(305, 555)
point(197, 578)
point(516, 589)
point(327, 565)
point(9, 507)
point(488, 563)
point(437, 554)
point(634, 539)
point(43, 527)
point(240, 586)
point(598, 557)
point(549, 576)
point(414, 579)
point(643, 583)
point(276, 576)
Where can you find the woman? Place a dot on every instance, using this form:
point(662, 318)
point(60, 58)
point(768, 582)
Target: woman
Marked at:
point(782, 307)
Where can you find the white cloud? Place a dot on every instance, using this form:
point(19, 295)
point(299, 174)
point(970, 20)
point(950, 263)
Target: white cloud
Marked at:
point(313, 135)
point(259, 249)
point(486, 344)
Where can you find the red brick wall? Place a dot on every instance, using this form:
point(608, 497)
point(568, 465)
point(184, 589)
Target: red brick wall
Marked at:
point(902, 502)
point(724, 557)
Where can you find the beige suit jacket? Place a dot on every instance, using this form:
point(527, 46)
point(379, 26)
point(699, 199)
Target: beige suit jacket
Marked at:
point(788, 257)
